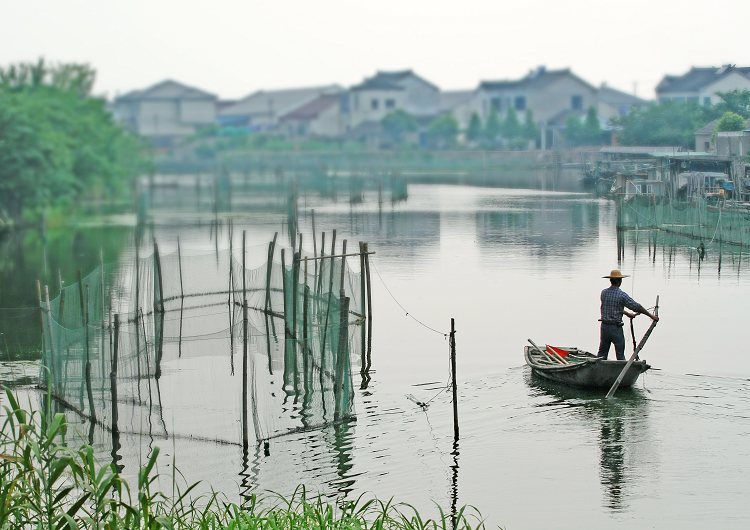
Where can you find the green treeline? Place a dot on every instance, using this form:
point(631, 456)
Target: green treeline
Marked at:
point(674, 123)
point(58, 143)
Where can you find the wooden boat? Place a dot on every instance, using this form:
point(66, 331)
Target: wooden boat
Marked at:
point(580, 368)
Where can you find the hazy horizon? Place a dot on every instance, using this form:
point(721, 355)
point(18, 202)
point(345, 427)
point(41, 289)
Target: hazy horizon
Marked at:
point(233, 48)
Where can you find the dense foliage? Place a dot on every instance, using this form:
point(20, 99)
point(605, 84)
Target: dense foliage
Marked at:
point(674, 123)
point(730, 121)
point(58, 143)
point(586, 132)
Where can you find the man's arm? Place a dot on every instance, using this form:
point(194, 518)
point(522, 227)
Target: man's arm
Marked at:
point(637, 308)
point(649, 314)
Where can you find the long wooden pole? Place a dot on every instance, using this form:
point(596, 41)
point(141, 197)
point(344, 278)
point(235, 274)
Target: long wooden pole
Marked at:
point(315, 241)
point(369, 302)
point(635, 353)
point(454, 385)
point(157, 260)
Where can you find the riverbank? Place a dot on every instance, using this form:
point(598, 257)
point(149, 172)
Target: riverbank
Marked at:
point(48, 484)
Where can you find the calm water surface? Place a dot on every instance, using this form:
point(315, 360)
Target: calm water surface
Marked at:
point(507, 264)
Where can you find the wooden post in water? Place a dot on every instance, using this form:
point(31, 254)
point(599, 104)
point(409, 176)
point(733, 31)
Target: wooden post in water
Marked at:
point(315, 242)
point(231, 266)
point(283, 289)
point(269, 264)
point(179, 268)
point(87, 366)
point(369, 300)
point(363, 309)
point(137, 273)
point(343, 265)
point(244, 282)
point(319, 284)
point(157, 263)
point(295, 291)
point(341, 354)
point(113, 379)
point(104, 311)
point(454, 385)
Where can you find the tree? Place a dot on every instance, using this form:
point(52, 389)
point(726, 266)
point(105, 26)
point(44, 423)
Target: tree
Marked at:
point(588, 132)
point(511, 129)
point(530, 128)
point(669, 123)
point(736, 101)
point(397, 124)
point(474, 131)
point(492, 128)
point(57, 143)
point(442, 132)
point(731, 122)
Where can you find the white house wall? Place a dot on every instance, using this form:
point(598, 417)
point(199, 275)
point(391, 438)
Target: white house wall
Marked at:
point(161, 118)
point(556, 97)
point(198, 112)
point(733, 81)
point(329, 124)
point(361, 105)
point(422, 99)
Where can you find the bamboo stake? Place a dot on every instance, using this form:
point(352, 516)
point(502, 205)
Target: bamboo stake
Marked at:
point(315, 242)
point(104, 310)
point(369, 301)
point(341, 356)
point(89, 391)
point(179, 267)
point(343, 265)
point(454, 385)
point(244, 268)
point(157, 262)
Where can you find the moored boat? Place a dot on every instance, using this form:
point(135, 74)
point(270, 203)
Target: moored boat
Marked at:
point(580, 368)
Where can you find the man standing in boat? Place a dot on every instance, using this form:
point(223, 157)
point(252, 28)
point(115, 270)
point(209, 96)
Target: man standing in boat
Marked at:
point(614, 302)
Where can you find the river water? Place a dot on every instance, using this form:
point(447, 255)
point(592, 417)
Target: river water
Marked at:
point(508, 264)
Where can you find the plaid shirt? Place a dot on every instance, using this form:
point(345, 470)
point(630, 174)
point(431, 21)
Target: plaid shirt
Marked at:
point(614, 301)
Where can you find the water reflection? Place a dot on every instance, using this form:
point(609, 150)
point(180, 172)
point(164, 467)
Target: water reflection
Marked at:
point(616, 423)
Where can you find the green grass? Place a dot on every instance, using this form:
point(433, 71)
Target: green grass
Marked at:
point(44, 484)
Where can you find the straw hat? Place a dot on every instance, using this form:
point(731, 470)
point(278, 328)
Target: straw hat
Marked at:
point(615, 273)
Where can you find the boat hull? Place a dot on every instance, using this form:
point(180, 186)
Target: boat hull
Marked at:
point(586, 370)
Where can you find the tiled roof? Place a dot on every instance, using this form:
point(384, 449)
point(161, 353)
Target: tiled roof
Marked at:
point(389, 81)
point(710, 127)
point(167, 89)
point(278, 102)
point(698, 78)
point(452, 98)
point(538, 78)
point(613, 96)
point(312, 109)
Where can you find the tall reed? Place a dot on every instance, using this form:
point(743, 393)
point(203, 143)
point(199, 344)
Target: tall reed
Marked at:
point(44, 484)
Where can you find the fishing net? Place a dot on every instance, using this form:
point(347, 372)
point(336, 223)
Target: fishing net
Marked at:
point(121, 347)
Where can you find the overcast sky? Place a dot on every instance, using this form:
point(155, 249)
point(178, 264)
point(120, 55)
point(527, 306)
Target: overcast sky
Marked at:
point(233, 47)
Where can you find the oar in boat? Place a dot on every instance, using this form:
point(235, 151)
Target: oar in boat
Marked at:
point(635, 353)
point(557, 358)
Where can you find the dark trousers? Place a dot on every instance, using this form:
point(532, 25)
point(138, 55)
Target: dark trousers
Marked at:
point(612, 334)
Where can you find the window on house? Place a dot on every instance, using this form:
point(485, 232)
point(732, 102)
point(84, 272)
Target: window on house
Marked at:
point(706, 146)
point(497, 103)
point(519, 103)
point(374, 104)
point(390, 103)
point(576, 102)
